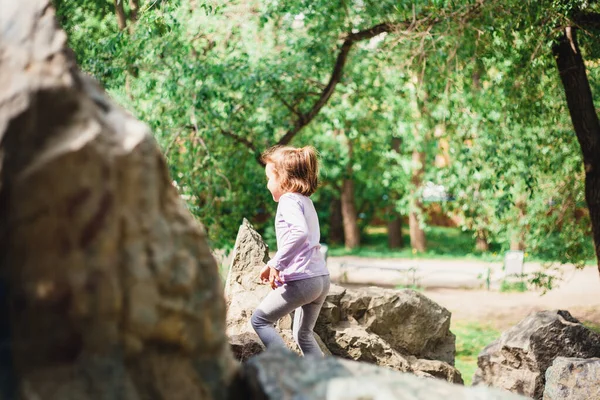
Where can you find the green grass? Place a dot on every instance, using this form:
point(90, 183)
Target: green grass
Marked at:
point(471, 338)
point(412, 287)
point(442, 243)
point(223, 271)
point(592, 326)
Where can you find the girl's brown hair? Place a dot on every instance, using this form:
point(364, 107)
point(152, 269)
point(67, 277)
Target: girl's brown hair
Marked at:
point(297, 169)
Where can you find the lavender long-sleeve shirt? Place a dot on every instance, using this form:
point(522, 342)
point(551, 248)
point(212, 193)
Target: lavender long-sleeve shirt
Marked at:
point(297, 229)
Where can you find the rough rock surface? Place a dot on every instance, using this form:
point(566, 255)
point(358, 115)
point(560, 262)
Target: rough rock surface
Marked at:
point(245, 345)
point(519, 359)
point(406, 320)
point(243, 289)
point(112, 290)
point(573, 379)
point(280, 374)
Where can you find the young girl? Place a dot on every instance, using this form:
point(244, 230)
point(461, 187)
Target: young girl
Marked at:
point(297, 272)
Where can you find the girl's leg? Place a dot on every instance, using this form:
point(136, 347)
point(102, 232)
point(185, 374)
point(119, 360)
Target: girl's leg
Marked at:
point(278, 303)
point(306, 316)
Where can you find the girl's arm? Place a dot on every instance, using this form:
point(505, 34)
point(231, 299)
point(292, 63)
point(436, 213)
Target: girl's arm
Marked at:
point(291, 213)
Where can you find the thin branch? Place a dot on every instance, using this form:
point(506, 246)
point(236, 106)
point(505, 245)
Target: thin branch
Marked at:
point(316, 83)
point(245, 142)
point(168, 149)
point(222, 175)
point(239, 139)
point(285, 103)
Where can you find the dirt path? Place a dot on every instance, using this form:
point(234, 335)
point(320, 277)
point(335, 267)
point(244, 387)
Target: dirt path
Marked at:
point(503, 310)
point(460, 287)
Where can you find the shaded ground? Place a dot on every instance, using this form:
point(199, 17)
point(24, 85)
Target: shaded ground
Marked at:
point(462, 287)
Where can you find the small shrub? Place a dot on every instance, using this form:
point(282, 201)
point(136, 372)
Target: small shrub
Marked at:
point(510, 287)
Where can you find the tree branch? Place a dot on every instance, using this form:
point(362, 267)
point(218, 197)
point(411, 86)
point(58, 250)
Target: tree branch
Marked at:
point(285, 103)
point(305, 118)
point(336, 75)
point(245, 142)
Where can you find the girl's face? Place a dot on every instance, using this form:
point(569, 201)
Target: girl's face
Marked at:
point(273, 182)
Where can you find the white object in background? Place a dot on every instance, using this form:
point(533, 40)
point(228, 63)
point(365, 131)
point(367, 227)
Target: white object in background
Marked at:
point(324, 249)
point(513, 262)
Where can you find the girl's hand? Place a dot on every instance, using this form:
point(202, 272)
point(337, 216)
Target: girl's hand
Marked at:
point(274, 278)
point(264, 274)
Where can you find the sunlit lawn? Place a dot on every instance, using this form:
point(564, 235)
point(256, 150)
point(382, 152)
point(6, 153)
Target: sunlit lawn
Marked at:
point(471, 338)
point(442, 243)
point(593, 326)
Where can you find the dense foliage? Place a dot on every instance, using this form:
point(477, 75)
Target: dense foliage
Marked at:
point(464, 94)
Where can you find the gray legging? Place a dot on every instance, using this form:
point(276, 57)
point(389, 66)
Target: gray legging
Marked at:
point(306, 296)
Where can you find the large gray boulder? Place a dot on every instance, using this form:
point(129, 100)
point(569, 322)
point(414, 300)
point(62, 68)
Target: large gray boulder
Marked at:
point(112, 290)
point(406, 320)
point(280, 374)
point(573, 379)
point(402, 329)
point(518, 360)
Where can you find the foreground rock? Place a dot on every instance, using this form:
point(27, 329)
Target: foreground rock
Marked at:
point(280, 374)
point(402, 329)
point(519, 359)
point(113, 291)
point(573, 379)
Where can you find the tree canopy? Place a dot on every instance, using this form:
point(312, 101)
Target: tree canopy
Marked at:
point(466, 94)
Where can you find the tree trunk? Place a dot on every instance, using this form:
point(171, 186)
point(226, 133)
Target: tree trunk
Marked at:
point(394, 228)
point(128, 85)
point(481, 241)
point(417, 234)
point(336, 223)
point(517, 244)
point(120, 12)
point(585, 121)
point(517, 241)
point(351, 231)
